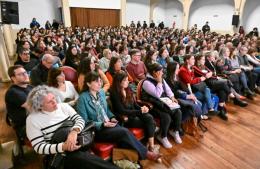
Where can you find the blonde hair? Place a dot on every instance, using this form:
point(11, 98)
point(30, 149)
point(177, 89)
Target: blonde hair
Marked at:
point(105, 52)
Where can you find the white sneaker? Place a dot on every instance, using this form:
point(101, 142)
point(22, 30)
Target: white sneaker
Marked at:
point(165, 142)
point(157, 129)
point(176, 136)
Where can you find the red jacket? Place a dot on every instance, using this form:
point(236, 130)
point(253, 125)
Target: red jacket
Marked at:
point(187, 76)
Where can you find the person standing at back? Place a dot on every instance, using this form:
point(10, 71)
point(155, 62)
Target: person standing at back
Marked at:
point(206, 28)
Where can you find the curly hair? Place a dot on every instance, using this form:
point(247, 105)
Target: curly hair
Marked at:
point(36, 96)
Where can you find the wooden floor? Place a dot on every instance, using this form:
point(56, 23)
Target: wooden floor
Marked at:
point(232, 144)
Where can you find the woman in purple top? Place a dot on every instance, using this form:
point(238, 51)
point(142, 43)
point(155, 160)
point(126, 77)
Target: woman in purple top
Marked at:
point(155, 90)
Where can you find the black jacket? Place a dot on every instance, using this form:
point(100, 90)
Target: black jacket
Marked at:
point(39, 75)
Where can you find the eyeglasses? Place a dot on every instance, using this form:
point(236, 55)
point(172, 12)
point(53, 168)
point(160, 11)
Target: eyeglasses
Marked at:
point(26, 53)
point(22, 74)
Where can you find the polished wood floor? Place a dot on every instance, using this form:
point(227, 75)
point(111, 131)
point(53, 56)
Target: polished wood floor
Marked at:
point(226, 145)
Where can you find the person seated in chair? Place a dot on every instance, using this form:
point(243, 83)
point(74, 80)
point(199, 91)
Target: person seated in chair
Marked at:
point(67, 91)
point(25, 60)
point(136, 67)
point(15, 100)
point(46, 115)
point(92, 106)
point(39, 73)
point(155, 90)
point(125, 106)
point(190, 105)
point(201, 91)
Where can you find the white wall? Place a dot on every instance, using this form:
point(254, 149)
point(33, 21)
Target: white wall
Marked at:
point(137, 10)
point(217, 12)
point(173, 12)
point(251, 15)
point(159, 13)
point(103, 4)
point(42, 10)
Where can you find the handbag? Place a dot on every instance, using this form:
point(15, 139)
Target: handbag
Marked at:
point(85, 139)
point(199, 87)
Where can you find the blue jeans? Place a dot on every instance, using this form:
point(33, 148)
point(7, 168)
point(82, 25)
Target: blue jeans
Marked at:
point(256, 70)
point(205, 98)
point(243, 80)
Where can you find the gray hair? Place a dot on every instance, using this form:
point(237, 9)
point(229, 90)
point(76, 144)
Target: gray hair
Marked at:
point(47, 57)
point(36, 96)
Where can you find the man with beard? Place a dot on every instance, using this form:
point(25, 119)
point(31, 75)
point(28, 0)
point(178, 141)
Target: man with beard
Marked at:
point(15, 100)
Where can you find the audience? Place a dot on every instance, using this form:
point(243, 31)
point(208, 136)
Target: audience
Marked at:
point(101, 57)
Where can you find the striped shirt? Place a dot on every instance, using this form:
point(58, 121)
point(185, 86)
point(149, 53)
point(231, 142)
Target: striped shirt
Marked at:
point(41, 126)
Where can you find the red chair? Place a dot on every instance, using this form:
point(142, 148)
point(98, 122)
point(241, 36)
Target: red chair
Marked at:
point(141, 102)
point(138, 95)
point(70, 75)
point(103, 150)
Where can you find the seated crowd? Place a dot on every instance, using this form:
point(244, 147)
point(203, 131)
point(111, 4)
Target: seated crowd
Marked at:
point(152, 76)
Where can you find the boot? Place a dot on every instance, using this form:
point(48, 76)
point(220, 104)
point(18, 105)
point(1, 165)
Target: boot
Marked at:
point(222, 113)
point(239, 102)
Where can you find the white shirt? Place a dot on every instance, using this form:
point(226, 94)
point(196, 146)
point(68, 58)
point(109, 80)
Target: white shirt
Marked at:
point(69, 92)
point(40, 127)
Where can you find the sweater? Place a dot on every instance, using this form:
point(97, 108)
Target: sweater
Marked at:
point(186, 76)
point(136, 71)
point(41, 126)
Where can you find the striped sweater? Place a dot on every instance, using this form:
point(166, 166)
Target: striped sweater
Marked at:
point(41, 126)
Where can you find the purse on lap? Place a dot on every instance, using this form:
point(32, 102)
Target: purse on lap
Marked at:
point(85, 139)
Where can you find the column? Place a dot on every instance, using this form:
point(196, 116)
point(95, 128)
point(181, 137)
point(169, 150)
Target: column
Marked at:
point(4, 60)
point(153, 4)
point(186, 12)
point(9, 40)
point(66, 13)
point(239, 9)
point(123, 13)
